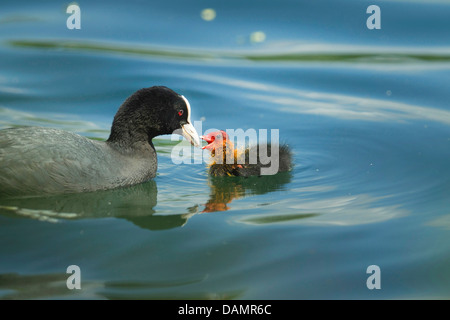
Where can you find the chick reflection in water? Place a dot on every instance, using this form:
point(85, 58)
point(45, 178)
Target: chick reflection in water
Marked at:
point(236, 173)
point(226, 189)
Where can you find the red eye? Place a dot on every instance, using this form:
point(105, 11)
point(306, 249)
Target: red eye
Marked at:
point(180, 113)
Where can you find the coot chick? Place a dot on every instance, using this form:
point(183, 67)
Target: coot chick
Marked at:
point(35, 160)
point(257, 160)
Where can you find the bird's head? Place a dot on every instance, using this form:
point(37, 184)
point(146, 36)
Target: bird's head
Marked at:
point(221, 147)
point(215, 140)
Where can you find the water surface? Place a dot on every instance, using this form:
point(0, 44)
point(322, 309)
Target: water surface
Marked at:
point(365, 112)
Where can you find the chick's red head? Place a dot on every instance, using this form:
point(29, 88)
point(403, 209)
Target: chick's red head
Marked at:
point(215, 140)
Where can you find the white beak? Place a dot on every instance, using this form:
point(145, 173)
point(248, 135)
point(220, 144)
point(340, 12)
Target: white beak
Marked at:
point(190, 134)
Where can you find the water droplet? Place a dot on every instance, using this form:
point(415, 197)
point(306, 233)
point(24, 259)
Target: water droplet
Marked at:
point(208, 14)
point(257, 36)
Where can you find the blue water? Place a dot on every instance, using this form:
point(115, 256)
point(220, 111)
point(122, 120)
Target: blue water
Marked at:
point(365, 112)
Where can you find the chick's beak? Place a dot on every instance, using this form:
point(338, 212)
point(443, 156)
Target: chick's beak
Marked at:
point(190, 134)
point(209, 140)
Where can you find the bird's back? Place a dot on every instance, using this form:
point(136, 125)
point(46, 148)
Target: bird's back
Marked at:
point(256, 160)
point(36, 160)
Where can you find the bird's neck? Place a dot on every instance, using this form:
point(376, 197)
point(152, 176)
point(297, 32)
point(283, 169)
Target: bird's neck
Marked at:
point(132, 144)
point(130, 137)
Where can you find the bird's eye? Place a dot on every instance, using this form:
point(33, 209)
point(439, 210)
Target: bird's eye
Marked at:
point(180, 113)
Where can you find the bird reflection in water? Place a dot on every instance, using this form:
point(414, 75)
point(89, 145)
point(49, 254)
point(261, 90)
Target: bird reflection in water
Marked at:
point(226, 189)
point(241, 176)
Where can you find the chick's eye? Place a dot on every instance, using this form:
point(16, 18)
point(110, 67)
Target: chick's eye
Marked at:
point(180, 113)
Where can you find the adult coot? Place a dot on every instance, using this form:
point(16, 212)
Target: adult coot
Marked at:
point(36, 160)
point(257, 160)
